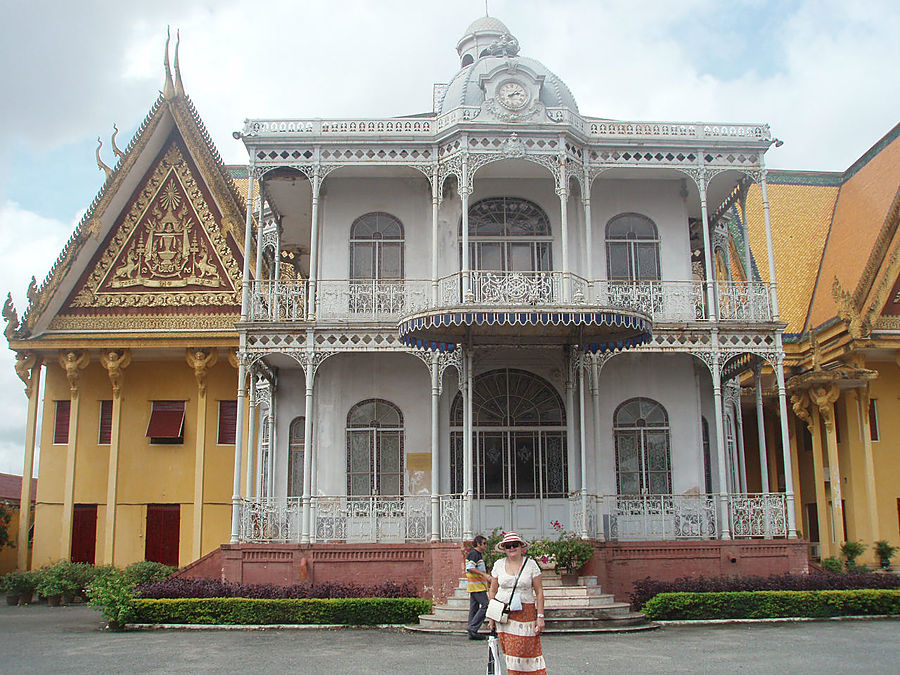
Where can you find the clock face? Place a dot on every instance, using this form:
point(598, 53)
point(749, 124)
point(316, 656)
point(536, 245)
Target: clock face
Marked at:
point(512, 95)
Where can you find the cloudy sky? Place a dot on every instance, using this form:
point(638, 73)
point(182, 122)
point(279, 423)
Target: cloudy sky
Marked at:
point(822, 73)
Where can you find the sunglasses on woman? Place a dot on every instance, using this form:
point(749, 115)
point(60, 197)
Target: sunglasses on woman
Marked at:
point(509, 546)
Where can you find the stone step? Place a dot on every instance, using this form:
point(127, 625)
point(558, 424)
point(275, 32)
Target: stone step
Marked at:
point(417, 628)
point(550, 580)
point(551, 596)
point(582, 624)
point(605, 609)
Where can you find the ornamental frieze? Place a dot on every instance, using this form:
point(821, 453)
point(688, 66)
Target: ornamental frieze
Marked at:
point(167, 251)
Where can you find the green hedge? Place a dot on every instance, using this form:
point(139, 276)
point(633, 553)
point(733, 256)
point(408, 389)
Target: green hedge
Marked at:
point(252, 611)
point(771, 604)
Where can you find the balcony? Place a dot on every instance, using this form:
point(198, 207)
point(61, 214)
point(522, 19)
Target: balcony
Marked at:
point(408, 518)
point(516, 293)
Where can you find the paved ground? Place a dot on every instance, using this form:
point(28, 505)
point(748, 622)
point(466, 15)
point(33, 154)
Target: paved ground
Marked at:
point(39, 639)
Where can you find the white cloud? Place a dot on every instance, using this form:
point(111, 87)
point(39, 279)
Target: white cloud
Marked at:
point(29, 244)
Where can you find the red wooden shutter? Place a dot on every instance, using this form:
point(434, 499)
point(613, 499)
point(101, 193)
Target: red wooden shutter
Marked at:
point(61, 425)
point(166, 420)
point(105, 435)
point(84, 533)
point(227, 422)
point(163, 533)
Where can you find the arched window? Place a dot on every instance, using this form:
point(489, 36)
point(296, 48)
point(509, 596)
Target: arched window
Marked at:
point(632, 248)
point(519, 424)
point(264, 433)
point(376, 247)
point(374, 449)
point(508, 234)
point(734, 479)
point(707, 459)
point(295, 457)
point(467, 60)
point(641, 428)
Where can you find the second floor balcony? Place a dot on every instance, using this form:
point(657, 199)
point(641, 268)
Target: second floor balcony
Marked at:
point(398, 300)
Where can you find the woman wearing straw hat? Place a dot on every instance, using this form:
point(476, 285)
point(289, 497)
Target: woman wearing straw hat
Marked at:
point(520, 635)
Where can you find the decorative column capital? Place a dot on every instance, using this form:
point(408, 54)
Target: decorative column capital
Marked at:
point(73, 362)
point(201, 360)
point(824, 397)
point(28, 365)
point(116, 361)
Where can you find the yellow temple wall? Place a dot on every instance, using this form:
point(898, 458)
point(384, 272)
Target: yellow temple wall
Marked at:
point(887, 460)
point(148, 474)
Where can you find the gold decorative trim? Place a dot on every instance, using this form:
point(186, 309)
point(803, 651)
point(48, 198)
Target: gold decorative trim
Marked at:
point(131, 322)
point(169, 179)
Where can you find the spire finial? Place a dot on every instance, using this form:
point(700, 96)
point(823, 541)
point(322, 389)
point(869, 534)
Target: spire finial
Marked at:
point(179, 87)
point(100, 164)
point(169, 89)
point(486, 8)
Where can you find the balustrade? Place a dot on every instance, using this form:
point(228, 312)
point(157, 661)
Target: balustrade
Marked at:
point(674, 517)
point(387, 300)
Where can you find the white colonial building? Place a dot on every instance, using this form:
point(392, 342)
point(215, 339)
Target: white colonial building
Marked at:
point(502, 313)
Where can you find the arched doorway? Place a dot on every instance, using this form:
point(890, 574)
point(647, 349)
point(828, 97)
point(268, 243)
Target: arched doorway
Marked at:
point(520, 460)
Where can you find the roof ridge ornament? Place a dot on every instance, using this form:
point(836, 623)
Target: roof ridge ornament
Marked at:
point(179, 86)
point(169, 87)
point(505, 45)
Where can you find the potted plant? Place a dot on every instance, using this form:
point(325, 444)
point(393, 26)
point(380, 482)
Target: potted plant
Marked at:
point(112, 592)
point(571, 553)
point(885, 552)
point(540, 550)
point(19, 587)
point(60, 582)
point(850, 551)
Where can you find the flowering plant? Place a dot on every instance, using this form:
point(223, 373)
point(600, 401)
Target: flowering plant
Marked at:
point(541, 551)
point(570, 551)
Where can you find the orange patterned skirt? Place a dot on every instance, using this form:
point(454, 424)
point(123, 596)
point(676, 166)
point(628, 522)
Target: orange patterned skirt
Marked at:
point(520, 645)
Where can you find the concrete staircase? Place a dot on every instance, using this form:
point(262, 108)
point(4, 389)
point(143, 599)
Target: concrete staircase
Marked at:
point(582, 608)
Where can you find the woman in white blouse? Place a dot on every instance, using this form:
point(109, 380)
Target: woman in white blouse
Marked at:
point(519, 636)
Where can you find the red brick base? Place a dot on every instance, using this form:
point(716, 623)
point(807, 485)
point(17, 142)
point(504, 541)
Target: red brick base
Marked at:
point(434, 569)
point(618, 565)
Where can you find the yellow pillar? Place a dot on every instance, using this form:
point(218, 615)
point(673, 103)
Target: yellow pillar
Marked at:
point(825, 545)
point(115, 362)
point(862, 408)
point(28, 368)
point(73, 362)
point(201, 360)
point(825, 396)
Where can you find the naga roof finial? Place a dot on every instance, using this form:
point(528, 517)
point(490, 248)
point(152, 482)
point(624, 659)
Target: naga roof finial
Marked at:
point(100, 164)
point(118, 153)
point(169, 89)
point(179, 86)
point(11, 318)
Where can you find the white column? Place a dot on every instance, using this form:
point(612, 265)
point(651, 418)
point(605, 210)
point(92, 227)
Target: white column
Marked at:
point(571, 442)
point(785, 442)
point(595, 396)
point(277, 253)
point(242, 370)
point(466, 272)
point(315, 183)
point(769, 248)
point(748, 270)
point(435, 194)
point(582, 446)
point(435, 454)
point(260, 226)
point(739, 433)
point(309, 371)
point(270, 489)
point(469, 448)
point(563, 192)
point(588, 238)
point(761, 430)
point(724, 525)
point(713, 311)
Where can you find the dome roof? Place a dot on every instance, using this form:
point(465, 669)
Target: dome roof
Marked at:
point(464, 88)
point(486, 23)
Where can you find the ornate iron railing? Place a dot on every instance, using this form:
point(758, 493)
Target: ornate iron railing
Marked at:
point(386, 300)
point(758, 515)
point(277, 301)
point(369, 519)
point(675, 517)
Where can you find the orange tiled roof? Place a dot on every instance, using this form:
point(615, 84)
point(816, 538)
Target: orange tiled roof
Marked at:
point(800, 208)
point(864, 202)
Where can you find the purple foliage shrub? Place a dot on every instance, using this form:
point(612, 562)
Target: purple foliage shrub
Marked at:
point(214, 588)
point(647, 588)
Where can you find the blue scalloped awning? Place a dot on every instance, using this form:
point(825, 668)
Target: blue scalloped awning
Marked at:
point(409, 328)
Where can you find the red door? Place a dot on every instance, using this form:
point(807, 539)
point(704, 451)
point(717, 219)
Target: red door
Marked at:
point(163, 533)
point(84, 533)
